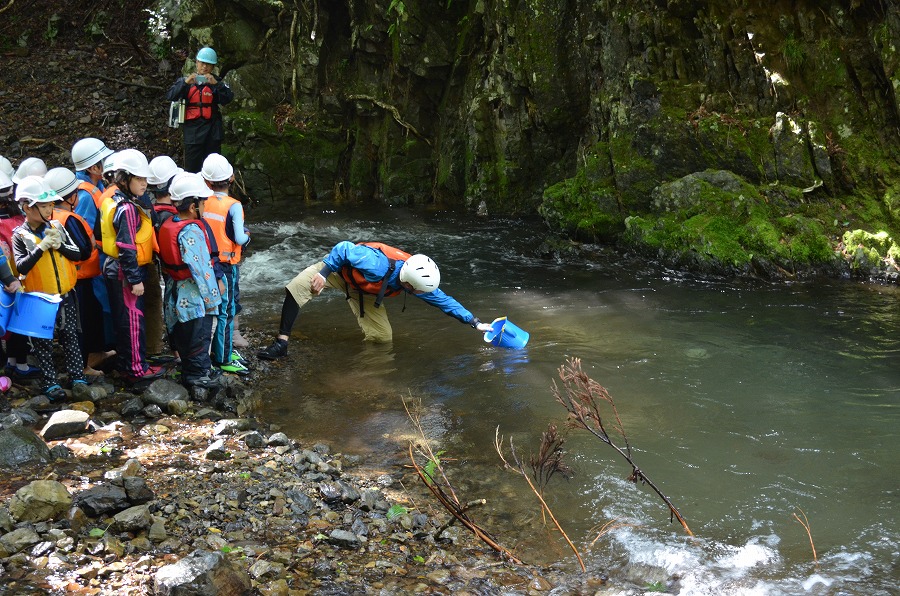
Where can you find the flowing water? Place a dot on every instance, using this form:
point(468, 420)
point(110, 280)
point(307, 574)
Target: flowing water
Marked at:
point(745, 402)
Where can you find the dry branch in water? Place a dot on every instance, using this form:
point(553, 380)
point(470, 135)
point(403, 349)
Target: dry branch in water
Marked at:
point(551, 450)
point(805, 523)
point(585, 400)
point(433, 476)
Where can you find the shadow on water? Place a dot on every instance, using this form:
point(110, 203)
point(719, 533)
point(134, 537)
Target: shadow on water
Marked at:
point(744, 401)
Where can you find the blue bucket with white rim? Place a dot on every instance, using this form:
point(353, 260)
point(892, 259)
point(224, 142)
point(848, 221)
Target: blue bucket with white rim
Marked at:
point(505, 334)
point(34, 314)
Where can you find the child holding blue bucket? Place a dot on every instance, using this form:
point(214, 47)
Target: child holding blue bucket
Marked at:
point(45, 254)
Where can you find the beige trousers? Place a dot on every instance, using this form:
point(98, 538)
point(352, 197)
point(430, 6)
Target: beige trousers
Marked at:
point(375, 325)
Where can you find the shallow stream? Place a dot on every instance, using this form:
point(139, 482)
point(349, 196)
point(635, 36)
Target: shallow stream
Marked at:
point(746, 402)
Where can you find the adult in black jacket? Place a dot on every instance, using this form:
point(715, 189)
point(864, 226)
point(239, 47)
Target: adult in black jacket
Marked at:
point(203, 94)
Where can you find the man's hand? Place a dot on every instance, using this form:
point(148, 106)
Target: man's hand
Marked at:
point(14, 287)
point(483, 327)
point(190, 80)
point(317, 284)
point(211, 80)
point(138, 289)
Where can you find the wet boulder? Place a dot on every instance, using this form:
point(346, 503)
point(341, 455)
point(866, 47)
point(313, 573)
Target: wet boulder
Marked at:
point(102, 499)
point(65, 423)
point(20, 446)
point(201, 573)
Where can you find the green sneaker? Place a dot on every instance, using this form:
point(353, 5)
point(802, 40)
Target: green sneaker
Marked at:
point(233, 367)
point(236, 357)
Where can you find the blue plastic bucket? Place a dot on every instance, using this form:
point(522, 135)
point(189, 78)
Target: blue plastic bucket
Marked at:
point(7, 304)
point(35, 314)
point(505, 334)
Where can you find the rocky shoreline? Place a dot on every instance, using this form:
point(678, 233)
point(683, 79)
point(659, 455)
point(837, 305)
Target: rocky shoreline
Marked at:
point(155, 490)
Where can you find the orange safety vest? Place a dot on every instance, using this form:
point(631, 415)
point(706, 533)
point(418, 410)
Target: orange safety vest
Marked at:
point(377, 288)
point(90, 267)
point(169, 251)
point(215, 212)
point(96, 193)
point(53, 273)
point(199, 102)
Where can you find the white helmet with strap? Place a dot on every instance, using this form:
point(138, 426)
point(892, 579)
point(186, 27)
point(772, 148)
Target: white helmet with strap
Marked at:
point(32, 190)
point(421, 273)
point(88, 152)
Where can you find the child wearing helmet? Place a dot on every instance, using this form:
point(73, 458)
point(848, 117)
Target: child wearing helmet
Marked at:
point(94, 345)
point(203, 94)
point(45, 254)
point(225, 216)
point(127, 239)
point(193, 294)
point(11, 217)
point(367, 273)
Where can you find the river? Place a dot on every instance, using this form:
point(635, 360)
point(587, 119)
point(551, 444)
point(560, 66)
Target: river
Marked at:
point(746, 402)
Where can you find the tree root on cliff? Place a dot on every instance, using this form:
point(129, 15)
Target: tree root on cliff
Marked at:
point(394, 112)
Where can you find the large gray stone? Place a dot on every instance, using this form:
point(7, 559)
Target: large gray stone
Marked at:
point(40, 500)
point(133, 519)
point(65, 423)
point(201, 573)
point(162, 391)
point(19, 446)
point(19, 539)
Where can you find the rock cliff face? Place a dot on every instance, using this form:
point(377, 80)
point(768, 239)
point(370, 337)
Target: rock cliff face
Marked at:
point(581, 110)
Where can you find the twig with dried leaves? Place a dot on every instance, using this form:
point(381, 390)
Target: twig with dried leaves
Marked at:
point(544, 466)
point(585, 399)
point(433, 476)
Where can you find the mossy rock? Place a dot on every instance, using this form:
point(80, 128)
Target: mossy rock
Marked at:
point(716, 221)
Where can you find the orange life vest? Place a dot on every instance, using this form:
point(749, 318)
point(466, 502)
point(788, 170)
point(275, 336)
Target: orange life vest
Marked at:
point(215, 213)
point(96, 193)
point(377, 288)
point(199, 102)
point(169, 251)
point(53, 273)
point(90, 267)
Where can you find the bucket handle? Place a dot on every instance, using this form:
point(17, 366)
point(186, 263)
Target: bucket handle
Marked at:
point(10, 305)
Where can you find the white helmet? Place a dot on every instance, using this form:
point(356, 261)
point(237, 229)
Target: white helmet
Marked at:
point(162, 169)
point(62, 181)
point(87, 152)
point(109, 163)
point(132, 161)
point(5, 180)
point(32, 190)
point(30, 166)
point(189, 186)
point(421, 273)
point(216, 168)
point(6, 167)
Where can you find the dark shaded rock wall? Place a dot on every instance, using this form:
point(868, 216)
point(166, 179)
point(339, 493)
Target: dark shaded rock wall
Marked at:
point(478, 103)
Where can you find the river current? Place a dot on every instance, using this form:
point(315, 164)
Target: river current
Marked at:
point(746, 402)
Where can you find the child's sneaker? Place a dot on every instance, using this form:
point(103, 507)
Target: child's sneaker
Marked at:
point(152, 372)
point(233, 367)
point(29, 372)
point(236, 357)
point(55, 393)
point(278, 349)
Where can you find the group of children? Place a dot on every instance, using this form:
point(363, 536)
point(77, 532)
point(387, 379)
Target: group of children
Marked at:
point(101, 237)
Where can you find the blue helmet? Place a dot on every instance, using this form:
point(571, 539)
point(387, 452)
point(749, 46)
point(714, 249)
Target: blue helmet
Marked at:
point(207, 55)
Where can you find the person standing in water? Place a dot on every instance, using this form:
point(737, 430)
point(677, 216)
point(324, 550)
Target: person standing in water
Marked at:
point(367, 273)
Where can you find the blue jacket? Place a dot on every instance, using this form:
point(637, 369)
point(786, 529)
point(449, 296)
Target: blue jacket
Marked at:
point(373, 264)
